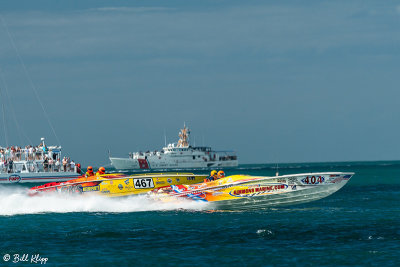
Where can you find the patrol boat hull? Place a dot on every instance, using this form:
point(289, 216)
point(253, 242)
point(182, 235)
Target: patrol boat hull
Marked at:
point(246, 192)
point(169, 163)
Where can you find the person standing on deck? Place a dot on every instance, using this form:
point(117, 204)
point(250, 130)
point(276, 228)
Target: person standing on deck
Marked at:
point(78, 168)
point(72, 166)
point(64, 163)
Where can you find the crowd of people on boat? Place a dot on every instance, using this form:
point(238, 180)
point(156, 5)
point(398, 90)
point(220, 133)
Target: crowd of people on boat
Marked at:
point(57, 165)
point(51, 161)
point(17, 153)
point(48, 165)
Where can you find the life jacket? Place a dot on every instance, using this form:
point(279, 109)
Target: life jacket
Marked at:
point(88, 174)
point(99, 173)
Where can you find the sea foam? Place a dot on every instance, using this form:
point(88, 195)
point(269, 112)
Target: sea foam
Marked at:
point(16, 201)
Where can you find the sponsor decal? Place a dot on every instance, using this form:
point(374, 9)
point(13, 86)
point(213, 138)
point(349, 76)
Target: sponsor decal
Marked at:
point(313, 180)
point(292, 180)
point(294, 187)
point(169, 180)
point(161, 182)
point(281, 180)
point(177, 179)
point(120, 187)
point(191, 178)
point(340, 179)
point(251, 192)
point(91, 188)
point(126, 181)
point(105, 191)
point(14, 178)
point(75, 188)
point(141, 183)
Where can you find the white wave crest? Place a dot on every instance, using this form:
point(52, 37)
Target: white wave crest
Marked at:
point(15, 201)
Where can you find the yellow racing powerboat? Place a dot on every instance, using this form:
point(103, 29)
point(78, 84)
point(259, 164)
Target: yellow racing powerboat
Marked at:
point(117, 185)
point(250, 192)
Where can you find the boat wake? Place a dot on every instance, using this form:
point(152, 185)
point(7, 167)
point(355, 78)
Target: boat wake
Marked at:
point(15, 201)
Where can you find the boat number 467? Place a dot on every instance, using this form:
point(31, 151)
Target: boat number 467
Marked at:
point(143, 183)
point(313, 180)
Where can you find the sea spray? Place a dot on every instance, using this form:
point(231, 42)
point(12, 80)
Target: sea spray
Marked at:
point(16, 201)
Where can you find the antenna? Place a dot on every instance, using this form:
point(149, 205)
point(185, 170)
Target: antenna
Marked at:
point(29, 78)
point(165, 138)
point(4, 120)
point(277, 170)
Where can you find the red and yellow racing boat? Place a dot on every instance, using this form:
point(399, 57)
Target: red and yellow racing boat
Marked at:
point(249, 192)
point(117, 185)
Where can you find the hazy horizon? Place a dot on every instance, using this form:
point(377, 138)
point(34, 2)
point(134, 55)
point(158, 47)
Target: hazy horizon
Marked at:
point(286, 82)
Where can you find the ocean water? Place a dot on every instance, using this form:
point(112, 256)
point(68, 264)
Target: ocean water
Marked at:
point(359, 226)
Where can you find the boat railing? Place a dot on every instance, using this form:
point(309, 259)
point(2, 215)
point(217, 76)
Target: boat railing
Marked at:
point(35, 167)
point(24, 156)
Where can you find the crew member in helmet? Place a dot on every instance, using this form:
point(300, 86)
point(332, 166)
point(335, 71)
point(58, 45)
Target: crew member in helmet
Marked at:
point(89, 171)
point(221, 174)
point(101, 171)
point(213, 175)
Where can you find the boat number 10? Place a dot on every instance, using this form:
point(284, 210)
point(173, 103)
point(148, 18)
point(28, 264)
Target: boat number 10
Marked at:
point(143, 183)
point(313, 180)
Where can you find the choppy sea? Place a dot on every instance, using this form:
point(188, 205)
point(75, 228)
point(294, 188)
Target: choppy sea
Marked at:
point(359, 226)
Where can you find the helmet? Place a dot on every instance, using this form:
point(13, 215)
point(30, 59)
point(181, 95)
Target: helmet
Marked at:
point(90, 168)
point(78, 165)
point(213, 172)
point(102, 170)
point(221, 174)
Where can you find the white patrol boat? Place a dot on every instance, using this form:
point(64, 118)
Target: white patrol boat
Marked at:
point(34, 165)
point(177, 156)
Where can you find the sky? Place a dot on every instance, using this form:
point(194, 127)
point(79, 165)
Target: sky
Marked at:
point(275, 81)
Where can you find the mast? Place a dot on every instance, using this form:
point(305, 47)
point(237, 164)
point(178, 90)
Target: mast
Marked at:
point(184, 137)
point(165, 138)
point(4, 119)
point(34, 89)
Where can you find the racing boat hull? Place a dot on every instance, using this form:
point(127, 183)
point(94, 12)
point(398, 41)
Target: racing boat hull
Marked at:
point(119, 185)
point(247, 192)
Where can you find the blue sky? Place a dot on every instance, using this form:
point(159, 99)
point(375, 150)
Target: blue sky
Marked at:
point(277, 82)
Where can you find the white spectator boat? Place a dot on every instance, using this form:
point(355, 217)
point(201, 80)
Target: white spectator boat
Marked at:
point(177, 156)
point(34, 165)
